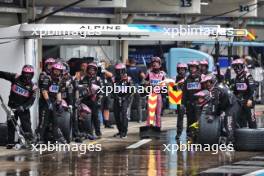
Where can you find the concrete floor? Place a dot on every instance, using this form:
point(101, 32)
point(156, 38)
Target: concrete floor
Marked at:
point(149, 159)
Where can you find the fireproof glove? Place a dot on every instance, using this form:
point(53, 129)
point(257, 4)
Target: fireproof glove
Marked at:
point(20, 109)
point(59, 106)
point(175, 88)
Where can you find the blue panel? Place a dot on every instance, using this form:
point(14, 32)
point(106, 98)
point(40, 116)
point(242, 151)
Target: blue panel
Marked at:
point(166, 55)
point(184, 55)
point(223, 62)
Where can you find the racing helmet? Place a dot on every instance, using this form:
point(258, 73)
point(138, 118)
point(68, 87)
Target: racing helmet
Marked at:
point(181, 68)
point(66, 69)
point(48, 64)
point(202, 97)
point(238, 65)
point(27, 72)
point(155, 63)
point(204, 66)
point(57, 70)
point(208, 81)
point(192, 65)
point(92, 69)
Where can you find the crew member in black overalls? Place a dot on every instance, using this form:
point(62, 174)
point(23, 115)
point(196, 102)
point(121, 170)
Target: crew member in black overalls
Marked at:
point(21, 98)
point(244, 88)
point(122, 99)
point(180, 79)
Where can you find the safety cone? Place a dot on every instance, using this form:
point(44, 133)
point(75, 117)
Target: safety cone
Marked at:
point(150, 130)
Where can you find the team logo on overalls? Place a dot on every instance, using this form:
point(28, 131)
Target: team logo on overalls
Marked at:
point(20, 91)
point(154, 81)
point(241, 86)
point(54, 88)
point(193, 86)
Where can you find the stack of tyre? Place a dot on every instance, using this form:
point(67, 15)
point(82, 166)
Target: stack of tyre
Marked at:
point(247, 139)
point(134, 116)
point(111, 116)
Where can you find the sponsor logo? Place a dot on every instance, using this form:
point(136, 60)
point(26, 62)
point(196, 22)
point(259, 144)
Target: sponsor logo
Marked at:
point(54, 88)
point(241, 86)
point(20, 91)
point(193, 86)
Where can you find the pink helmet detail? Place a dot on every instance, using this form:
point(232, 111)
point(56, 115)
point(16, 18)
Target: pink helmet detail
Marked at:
point(120, 66)
point(181, 65)
point(238, 61)
point(94, 88)
point(50, 60)
point(200, 94)
point(193, 63)
point(203, 97)
point(155, 59)
point(206, 78)
point(28, 69)
point(64, 104)
point(92, 65)
point(58, 66)
point(204, 62)
point(84, 108)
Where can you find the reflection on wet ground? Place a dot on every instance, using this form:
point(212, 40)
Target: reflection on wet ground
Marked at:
point(150, 160)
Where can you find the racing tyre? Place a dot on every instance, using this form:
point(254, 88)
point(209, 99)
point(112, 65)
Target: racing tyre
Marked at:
point(64, 123)
point(134, 116)
point(112, 118)
point(209, 132)
point(86, 125)
point(3, 136)
point(144, 102)
point(247, 139)
point(144, 115)
point(111, 104)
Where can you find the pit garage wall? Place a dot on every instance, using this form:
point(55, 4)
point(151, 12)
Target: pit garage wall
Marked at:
point(14, 54)
point(98, 52)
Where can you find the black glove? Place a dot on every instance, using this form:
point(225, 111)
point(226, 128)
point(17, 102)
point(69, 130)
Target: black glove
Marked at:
point(175, 87)
point(59, 107)
point(20, 109)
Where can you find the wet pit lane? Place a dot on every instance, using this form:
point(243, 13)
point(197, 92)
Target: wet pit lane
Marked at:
point(149, 159)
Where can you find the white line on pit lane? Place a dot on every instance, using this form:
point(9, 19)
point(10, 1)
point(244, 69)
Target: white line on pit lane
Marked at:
point(256, 173)
point(139, 143)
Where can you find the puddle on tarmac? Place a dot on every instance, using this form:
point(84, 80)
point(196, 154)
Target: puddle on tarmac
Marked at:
point(150, 160)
